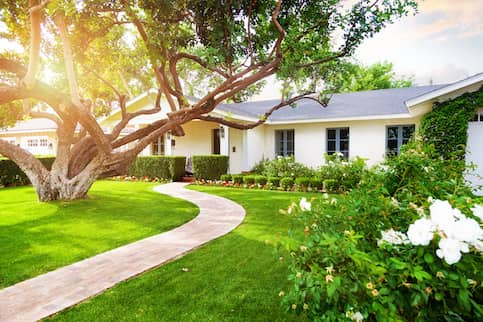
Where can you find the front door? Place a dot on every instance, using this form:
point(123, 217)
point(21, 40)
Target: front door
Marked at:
point(216, 141)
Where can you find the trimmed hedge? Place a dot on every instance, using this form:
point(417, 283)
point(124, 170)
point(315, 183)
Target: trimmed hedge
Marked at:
point(237, 178)
point(274, 181)
point(249, 179)
point(163, 167)
point(286, 183)
point(11, 175)
point(261, 180)
point(225, 177)
point(209, 167)
point(316, 183)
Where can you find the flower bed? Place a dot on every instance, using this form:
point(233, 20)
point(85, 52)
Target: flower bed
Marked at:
point(406, 245)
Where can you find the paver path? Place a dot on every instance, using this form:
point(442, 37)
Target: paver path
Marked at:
point(47, 294)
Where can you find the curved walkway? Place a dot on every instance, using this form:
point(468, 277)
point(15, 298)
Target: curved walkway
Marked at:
point(55, 291)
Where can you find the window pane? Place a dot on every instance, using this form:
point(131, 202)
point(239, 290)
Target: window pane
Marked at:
point(344, 133)
point(344, 146)
point(481, 117)
point(408, 132)
point(392, 132)
point(331, 146)
point(331, 134)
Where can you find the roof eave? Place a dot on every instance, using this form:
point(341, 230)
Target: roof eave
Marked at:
point(444, 90)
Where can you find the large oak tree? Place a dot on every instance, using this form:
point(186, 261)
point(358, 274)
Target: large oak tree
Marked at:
point(79, 59)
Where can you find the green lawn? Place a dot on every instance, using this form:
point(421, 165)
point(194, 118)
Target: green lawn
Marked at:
point(38, 237)
point(234, 278)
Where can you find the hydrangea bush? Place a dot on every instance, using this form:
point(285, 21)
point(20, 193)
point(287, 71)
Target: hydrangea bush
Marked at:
point(404, 246)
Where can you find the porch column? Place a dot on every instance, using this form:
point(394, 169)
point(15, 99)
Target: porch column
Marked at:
point(224, 140)
point(168, 148)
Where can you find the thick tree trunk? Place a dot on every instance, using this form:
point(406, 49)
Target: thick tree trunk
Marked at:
point(57, 187)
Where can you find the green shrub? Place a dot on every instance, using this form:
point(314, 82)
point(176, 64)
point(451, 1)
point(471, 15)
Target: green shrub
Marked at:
point(302, 183)
point(353, 257)
point(285, 167)
point(209, 167)
point(331, 186)
point(237, 178)
point(249, 179)
point(286, 183)
point(316, 183)
point(346, 174)
point(12, 175)
point(260, 167)
point(274, 181)
point(225, 177)
point(261, 180)
point(163, 167)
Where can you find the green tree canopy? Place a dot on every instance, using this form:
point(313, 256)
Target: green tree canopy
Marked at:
point(353, 77)
point(82, 58)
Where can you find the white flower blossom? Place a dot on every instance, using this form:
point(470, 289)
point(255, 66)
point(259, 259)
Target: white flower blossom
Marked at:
point(393, 237)
point(478, 211)
point(421, 232)
point(450, 250)
point(305, 205)
point(357, 316)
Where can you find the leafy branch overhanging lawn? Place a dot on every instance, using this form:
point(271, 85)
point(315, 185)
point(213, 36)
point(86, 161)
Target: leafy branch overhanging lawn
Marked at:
point(39, 237)
point(234, 278)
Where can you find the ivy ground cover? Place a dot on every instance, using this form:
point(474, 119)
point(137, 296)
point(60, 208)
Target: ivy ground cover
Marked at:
point(237, 277)
point(39, 237)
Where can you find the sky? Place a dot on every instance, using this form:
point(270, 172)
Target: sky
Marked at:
point(441, 44)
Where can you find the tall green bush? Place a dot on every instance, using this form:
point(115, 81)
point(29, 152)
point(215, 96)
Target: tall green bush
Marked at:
point(209, 167)
point(163, 167)
point(12, 175)
point(282, 167)
point(356, 258)
point(446, 126)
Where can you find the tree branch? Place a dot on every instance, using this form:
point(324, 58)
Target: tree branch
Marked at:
point(200, 62)
point(263, 118)
point(34, 57)
point(68, 60)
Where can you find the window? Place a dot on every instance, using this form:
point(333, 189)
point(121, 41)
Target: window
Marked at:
point(43, 142)
point(284, 142)
point(397, 136)
point(478, 116)
point(338, 141)
point(32, 143)
point(157, 147)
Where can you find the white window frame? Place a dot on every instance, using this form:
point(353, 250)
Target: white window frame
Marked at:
point(281, 138)
point(338, 141)
point(400, 137)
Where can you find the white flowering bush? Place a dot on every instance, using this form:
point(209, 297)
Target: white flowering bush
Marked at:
point(387, 251)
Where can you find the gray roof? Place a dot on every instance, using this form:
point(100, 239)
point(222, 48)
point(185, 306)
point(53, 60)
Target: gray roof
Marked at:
point(382, 102)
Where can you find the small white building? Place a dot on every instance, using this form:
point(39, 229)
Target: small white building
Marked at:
point(367, 124)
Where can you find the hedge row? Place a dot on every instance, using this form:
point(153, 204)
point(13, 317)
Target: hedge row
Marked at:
point(11, 175)
point(285, 183)
point(209, 167)
point(163, 167)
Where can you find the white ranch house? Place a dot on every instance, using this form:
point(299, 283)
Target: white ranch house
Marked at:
point(367, 124)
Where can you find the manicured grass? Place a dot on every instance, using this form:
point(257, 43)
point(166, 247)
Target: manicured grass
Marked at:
point(38, 237)
point(234, 278)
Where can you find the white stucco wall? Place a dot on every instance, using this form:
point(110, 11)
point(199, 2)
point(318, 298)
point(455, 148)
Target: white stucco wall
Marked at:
point(255, 139)
point(197, 141)
point(474, 153)
point(367, 139)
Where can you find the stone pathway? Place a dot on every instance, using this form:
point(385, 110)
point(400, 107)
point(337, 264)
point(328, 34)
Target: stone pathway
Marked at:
point(47, 294)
